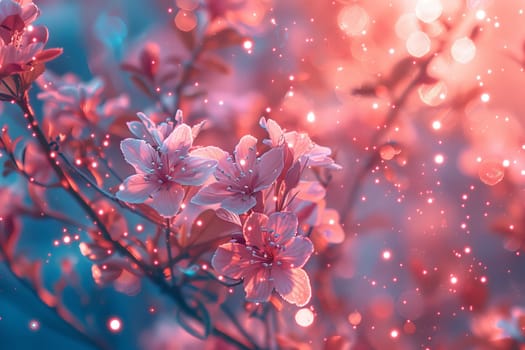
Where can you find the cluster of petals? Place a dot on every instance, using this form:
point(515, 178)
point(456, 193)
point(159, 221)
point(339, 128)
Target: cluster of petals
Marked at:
point(21, 43)
point(70, 105)
point(242, 177)
point(271, 258)
point(163, 169)
point(302, 147)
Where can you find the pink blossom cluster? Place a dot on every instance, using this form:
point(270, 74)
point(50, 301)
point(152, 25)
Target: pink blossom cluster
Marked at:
point(262, 192)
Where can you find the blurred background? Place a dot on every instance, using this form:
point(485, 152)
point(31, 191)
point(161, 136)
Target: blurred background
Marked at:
point(419, 100)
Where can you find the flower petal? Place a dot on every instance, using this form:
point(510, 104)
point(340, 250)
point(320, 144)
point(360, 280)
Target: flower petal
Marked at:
point(167, 200)
point(274, 132)
point(210, 152)
point(179, 140)
point(238, 203)
point(246, 152)
point(258, 285)
point(252, 229)
point(194, 171)
point(296, 253)
point(138, 129)
point(139, 154)
point(293, 285)
point(268, 168)
point(232, 260)
point(285, 225)
point(29, 13)
point(136, 189)
point(211, 194)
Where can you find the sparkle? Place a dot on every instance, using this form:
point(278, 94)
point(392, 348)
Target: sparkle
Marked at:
point(115, 324)
point(304, 317)
point(310, 117)
point(34, 325)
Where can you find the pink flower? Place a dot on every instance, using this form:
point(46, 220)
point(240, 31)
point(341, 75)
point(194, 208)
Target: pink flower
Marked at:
point(302, 147)
point(76, 109)
point(21, 44)
point(162, 172)
point(272, 258)
point(240, 179)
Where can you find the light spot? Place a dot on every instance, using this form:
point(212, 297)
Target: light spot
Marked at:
point(353, 20)
point(310, 117)
point(418, 44)
point(355, 318)
point(247, 44)
point(387, 255)
point(428, 10)
point(304, 317)
point(115, 324)
point(480, 15)
point(463, 50)
point(34, 325)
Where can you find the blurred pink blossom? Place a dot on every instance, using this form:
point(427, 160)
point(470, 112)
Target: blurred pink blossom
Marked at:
point(21, 44)
point(303, 148)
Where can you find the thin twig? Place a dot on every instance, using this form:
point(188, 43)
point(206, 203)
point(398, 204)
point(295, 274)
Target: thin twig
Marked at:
point(103, 192)
point(391, 117)
point(153, 274)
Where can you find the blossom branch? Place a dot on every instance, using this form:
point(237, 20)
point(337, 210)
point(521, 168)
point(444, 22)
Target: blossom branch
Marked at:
point(154, 275)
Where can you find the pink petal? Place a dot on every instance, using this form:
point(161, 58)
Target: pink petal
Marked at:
point(211, 194)
point(29, 13)
point(138, 130)
point(275, 132)
point(228, 216)
point(210, 152)
point(330, 227)
point(293, 285)
point(167, 200)
point(48, 55)
point(285, 225)
point(139, 154)
point(268, 168)
point(258, 286)
point(238, 203)
point(252, 229)
point(136, 189)
point(8, 8)
point(148, 123)
point(245, 152)
point(232, 260)
point(226, 170)
point(180, 140)
point(297, 252)
point(311, 191)
point(194, 171)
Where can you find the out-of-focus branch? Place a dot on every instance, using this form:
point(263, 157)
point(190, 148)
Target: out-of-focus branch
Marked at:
point(74, 331)
point(153, 274)
point(392, 115)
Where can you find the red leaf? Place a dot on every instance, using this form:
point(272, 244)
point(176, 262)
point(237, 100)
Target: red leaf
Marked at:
point(224, 38)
